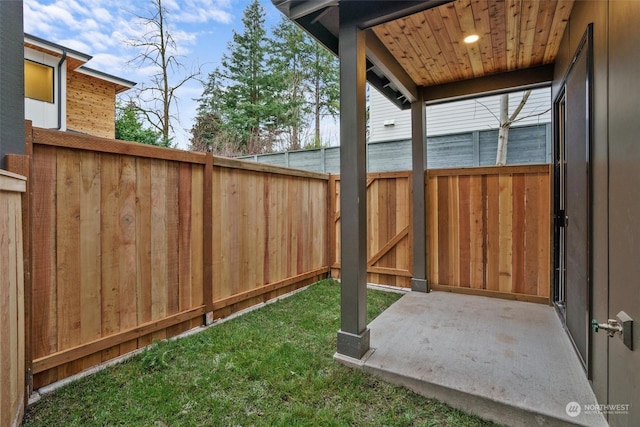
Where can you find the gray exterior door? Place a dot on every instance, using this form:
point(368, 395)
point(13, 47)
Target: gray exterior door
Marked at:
point(573, 124)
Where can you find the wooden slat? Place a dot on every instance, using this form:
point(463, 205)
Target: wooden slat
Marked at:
point(90, 247)
point(477, 241)
point(531, 200)
point(464, 224)
point(518, 222)
point(68, 302)
point(493, 233)
point(560, 17)
point(172, 236)
point(390, 271)
point(489, 170)
point(388, 246)
point(126, 242)
point(490, 293)
point(263, 167)
point(44, 363)
point(505, 238)
point(159, 242)
point(110, 291)
point(444, 231)
point(224, 302)
point(103, 145)
point(544, 216)
point(465, 24)
point(143, 242)
point(12, 182)
point(528, 27)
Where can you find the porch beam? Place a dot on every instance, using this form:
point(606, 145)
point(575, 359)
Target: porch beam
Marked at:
point(419, 162)
point(490, 85)
point(353, 336)
point(380, 56)
point(369, 15)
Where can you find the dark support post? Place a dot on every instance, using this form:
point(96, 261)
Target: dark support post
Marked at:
point(353, 337)
point(11, 80)
point(419, 161)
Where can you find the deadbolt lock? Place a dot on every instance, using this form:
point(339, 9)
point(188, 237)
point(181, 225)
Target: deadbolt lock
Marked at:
point(622, 325)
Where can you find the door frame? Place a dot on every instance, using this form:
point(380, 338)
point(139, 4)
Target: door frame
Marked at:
point(584, 47)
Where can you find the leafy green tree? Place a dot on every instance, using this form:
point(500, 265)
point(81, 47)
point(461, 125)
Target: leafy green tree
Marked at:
point(130, 128)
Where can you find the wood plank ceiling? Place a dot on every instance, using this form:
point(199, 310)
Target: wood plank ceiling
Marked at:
point(514, 34)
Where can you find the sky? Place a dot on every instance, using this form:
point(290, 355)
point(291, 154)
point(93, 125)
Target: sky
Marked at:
point(100, 28)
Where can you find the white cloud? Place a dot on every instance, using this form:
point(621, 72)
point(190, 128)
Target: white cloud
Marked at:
point(102, 15)
point(112, 64)
point(199, 11)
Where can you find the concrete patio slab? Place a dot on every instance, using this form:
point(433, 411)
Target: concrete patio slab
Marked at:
point(506, 361)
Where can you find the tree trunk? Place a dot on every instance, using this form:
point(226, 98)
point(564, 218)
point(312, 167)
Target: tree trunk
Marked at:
point(503, 132)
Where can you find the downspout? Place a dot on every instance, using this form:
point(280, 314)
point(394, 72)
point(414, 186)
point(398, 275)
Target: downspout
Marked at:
point(64, 57)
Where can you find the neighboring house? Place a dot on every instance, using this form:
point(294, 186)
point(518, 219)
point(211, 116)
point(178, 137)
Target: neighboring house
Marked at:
point(62, 93)
point(389, 123)
point(459, 134)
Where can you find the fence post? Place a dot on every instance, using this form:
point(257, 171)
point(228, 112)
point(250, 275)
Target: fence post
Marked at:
point(207, 243)
point(21, 164)
point(476, 148)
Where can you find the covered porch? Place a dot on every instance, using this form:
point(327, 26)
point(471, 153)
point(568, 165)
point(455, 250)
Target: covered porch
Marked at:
point(506, 361)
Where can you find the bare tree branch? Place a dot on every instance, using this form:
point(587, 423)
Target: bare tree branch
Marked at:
point(157, 47)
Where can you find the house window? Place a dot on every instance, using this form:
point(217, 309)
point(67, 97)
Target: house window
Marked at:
point(38, 81)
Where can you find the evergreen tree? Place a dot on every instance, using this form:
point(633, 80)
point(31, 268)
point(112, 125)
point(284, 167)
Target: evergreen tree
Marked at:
point(290, 57)
point(247, 104)
point(130, 128)
point(325, 86)
point(266, 92)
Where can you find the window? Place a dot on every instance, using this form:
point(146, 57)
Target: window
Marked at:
point(38, 81)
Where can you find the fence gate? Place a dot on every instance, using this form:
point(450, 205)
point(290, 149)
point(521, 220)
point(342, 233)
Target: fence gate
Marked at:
point(389, 235)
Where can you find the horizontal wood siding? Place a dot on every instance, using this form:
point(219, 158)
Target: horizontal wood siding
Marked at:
point(12, 324)
point(90, 105)
point(389, 238)
point(455, 117)
point(134, 243)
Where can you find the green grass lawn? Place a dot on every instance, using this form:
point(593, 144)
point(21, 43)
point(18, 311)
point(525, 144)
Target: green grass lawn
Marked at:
point(270, 367)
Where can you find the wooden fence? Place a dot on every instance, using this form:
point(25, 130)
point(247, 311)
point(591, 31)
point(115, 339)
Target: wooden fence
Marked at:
point(389, 225)
point(132, 243)
point(12, 329)
point(127, 243)
point(488, 230)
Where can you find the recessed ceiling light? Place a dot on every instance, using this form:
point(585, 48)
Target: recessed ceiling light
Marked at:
point(472, 38)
